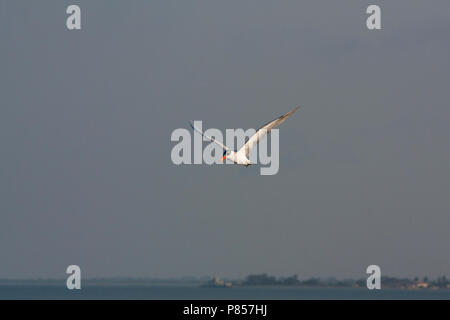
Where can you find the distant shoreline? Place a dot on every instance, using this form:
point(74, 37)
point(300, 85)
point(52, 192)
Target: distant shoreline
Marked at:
point(260, 281)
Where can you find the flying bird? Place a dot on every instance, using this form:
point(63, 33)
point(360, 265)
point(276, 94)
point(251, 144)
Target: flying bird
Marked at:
point(241, 156)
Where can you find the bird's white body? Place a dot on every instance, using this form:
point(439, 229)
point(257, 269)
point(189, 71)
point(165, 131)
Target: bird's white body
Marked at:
point(241, 156)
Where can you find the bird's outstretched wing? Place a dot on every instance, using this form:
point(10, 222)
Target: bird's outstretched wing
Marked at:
point(209, 138)
point(265, 129)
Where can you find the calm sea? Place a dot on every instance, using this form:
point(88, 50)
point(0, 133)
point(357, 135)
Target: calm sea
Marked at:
point(194, 292)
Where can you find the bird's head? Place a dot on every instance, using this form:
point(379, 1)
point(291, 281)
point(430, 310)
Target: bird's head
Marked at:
point(225, 155)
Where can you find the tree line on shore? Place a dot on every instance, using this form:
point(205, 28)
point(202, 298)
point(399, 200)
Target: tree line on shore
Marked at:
point(387, 282)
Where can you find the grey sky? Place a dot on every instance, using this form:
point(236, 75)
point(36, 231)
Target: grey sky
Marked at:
point(86, 116)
